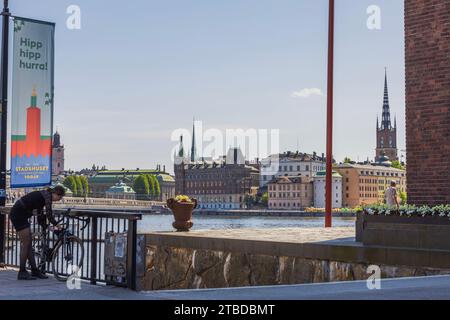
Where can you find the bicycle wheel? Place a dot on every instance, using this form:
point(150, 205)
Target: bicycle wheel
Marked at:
point(67, 258)
point(39, 251)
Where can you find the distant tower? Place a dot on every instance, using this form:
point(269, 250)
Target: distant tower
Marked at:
point(57, 155)
point(193, 147)
point(179, 169)
point(386, 133)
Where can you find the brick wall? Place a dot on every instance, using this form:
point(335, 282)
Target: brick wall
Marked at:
point(427, 31)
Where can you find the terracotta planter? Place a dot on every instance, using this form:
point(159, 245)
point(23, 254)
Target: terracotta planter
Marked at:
point(182, 212)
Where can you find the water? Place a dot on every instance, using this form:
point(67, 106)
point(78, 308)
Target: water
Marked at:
point(152, 223)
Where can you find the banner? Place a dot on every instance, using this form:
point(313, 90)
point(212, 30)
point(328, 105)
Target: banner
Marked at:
point(32, 103)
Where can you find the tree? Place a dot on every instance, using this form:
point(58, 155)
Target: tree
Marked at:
point(265, 199)
point(141, 187)
point(347, 160)
point(154, 186)
point(71, 184)
point(403, 198)
point(85, 184)
point(157, 187)
point(397, 165)
point(151, 183)
point(80, 190)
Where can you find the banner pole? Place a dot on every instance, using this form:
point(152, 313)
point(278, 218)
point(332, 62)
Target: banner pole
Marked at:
point(329, 174)
point(4, 102)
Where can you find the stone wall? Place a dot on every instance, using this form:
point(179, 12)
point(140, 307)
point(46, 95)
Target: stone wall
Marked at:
point(188, 268)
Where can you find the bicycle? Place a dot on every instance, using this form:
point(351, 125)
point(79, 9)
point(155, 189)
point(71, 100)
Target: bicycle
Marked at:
point(68, 252)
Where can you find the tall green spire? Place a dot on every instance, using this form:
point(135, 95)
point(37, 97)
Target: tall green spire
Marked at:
point(181, 149)
point(193, 147)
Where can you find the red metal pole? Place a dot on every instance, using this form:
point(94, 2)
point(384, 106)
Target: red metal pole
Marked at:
point(329, 177)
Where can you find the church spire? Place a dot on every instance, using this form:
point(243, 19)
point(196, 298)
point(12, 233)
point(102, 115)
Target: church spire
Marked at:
point(386, 120)
point(181, 148)
point(193, 147)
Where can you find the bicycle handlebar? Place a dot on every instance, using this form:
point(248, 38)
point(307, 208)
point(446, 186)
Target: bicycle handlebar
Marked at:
point(67, 215)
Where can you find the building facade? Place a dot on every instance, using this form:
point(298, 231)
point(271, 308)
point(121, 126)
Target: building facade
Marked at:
point(101, 181)
point(366, 184)
point(320, 189)
point(121, 191)
point(57, 155)
point(290, 164)
point(216, 184)
point(386, 133)
point(427, 48)
point(290, 193)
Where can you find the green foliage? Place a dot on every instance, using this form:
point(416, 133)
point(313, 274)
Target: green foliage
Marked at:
point(85, 182)
point(397, 165)
point(157, 187)
point(265, 199)
point(403, 198)
point(347, 160)
point(80, 189)
point(141, 187)
point(79, 185)
point(71, 183)
point(151, 184)
point(408, 210)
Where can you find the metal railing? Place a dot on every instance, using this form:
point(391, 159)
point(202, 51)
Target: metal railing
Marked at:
point(93, 239)
point(110, 202)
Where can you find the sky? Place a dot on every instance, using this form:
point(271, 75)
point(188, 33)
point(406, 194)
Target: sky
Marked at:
point(138, 70)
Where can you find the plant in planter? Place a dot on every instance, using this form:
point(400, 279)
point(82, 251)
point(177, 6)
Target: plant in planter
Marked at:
point(182, 207)
point(442, 211)
point(418, 227)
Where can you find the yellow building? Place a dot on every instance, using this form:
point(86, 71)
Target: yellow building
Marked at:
point(366, 184)
point(291, 193)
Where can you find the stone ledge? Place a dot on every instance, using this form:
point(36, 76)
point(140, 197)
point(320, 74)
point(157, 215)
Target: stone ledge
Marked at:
point(315, 243)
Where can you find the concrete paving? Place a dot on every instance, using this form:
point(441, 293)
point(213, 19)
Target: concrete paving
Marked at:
point(424, 288)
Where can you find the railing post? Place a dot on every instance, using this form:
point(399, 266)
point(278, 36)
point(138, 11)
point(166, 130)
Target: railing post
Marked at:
point(2, 237)
point(94, 240)
point(131, 254)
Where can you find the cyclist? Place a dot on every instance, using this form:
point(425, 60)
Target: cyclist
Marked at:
point(20, 214)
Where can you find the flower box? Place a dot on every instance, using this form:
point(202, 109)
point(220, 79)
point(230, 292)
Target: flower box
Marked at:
point(402, 229)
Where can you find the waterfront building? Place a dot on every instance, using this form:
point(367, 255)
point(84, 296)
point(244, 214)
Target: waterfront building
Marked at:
point(216, 184)
point(386, 133)
point(320, 189)
point(101, 181)
point(121, 191)
point(290, 193)
point(290, 164)
point(364, 184)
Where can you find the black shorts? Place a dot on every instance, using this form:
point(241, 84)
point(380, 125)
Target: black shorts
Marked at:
point(19, 217)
